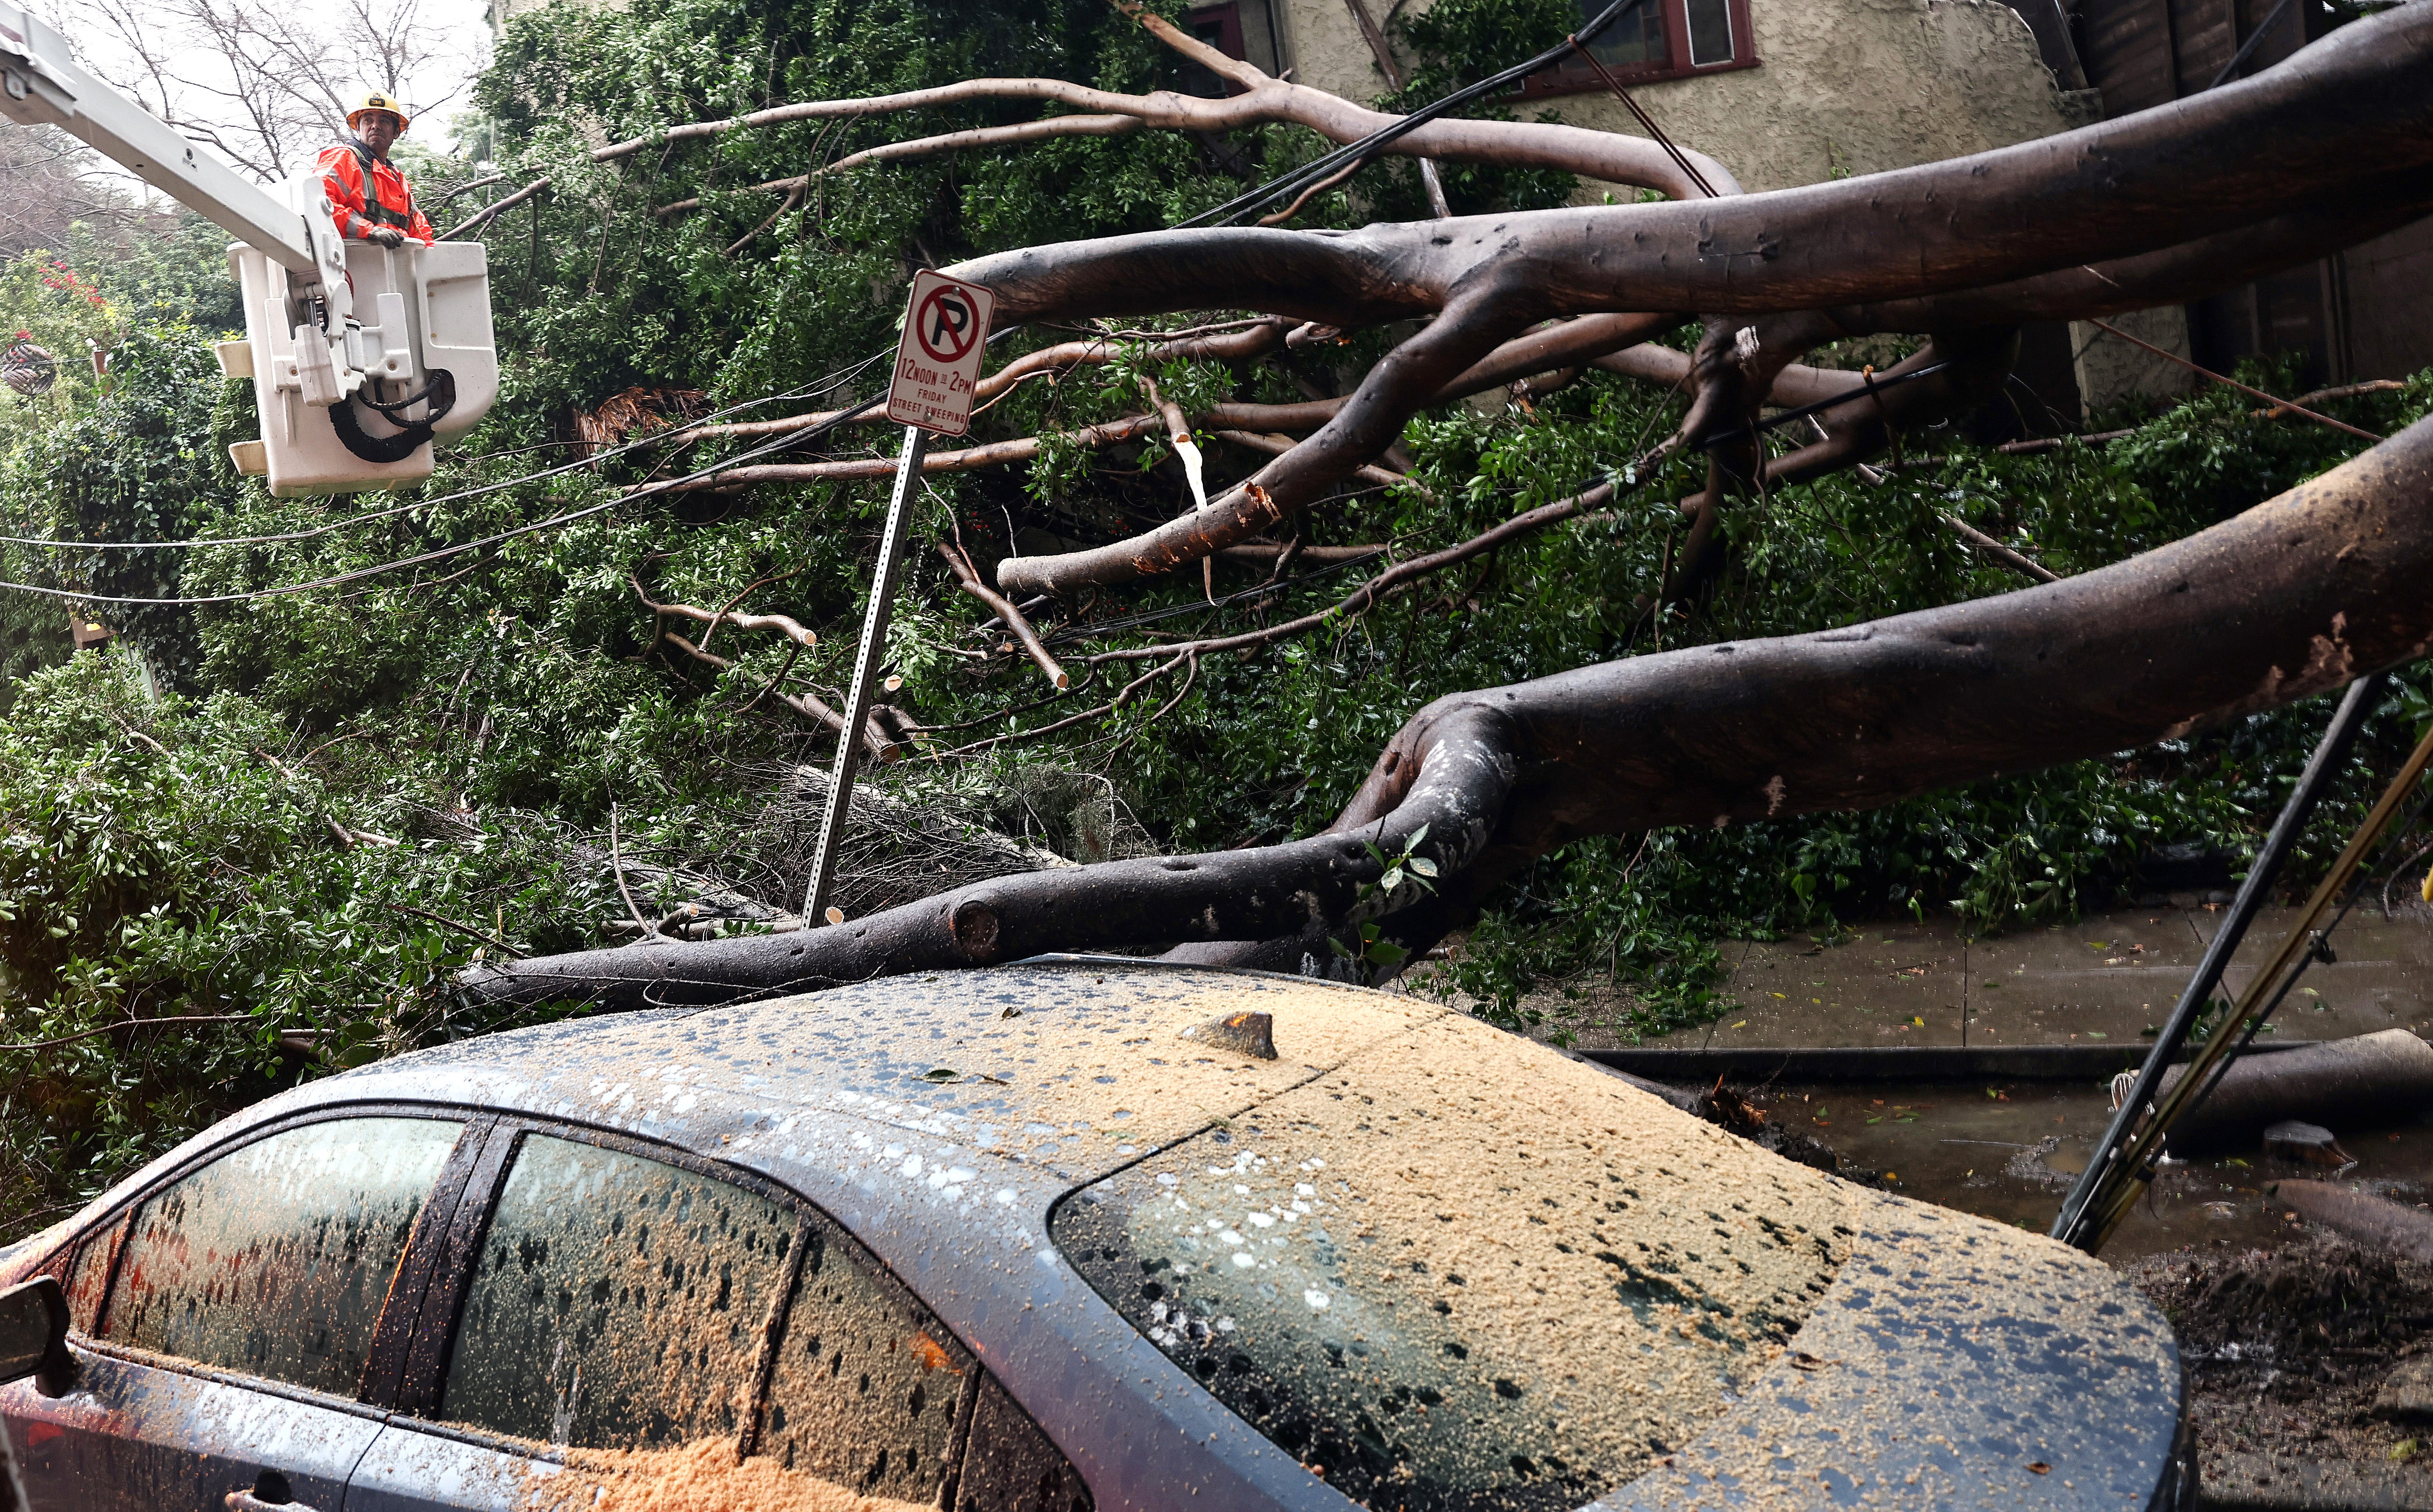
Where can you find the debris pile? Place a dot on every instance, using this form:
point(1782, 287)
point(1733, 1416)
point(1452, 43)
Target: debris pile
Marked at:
point(1726, 1107)
point(2289, 1353)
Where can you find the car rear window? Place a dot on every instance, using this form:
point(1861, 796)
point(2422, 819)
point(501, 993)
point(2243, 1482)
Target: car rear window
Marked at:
point(1461, 1272)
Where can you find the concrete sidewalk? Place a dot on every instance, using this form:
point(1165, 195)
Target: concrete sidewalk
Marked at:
point(2106, 979)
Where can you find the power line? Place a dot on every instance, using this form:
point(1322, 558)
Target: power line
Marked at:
point(841, 376)
point(334, 581)
point(442, 553)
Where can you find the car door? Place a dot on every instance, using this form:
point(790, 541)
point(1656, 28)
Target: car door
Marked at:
point(631, 1315)
point(226, 1324)
point(616, 1297)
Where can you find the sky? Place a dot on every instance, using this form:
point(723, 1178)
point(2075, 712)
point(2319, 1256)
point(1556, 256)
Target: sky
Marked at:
point(98, 30)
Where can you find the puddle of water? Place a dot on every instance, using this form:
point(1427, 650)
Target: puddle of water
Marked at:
point(2009, 1152)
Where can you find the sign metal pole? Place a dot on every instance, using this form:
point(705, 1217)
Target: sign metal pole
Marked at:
point(865, 671)
point(937, 363)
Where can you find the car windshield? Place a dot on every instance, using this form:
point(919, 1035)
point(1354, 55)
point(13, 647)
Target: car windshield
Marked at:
point(1461, 1273)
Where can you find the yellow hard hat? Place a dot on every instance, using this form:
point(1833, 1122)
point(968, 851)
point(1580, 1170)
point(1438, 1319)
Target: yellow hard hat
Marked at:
point(375, 100)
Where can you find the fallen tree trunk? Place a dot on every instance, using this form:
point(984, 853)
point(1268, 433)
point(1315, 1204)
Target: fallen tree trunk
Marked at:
point(2365, 1081)
point(2291, 599)
point(2373, 1222)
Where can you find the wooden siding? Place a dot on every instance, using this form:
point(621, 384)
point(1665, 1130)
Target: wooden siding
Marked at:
point(2368, 313)
point(2389, 333)
point(2129, 53)
point(2206, 34)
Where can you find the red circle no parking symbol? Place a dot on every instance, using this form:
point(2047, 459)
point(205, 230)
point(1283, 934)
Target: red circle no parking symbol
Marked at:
point(947, 324)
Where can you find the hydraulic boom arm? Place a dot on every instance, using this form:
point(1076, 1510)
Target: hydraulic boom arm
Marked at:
point(41, 85)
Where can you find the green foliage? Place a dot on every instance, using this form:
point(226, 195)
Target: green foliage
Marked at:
point(1459, 43)
point(161, 859)
point(181, 272)
point(129, 464)
point(44, 299)
point(1403, 878)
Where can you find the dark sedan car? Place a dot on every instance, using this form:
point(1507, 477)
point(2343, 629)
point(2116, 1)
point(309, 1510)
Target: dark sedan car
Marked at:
point(1068, 1233)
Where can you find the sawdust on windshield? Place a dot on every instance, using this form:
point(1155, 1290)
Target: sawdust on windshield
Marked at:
point(1460, 1272)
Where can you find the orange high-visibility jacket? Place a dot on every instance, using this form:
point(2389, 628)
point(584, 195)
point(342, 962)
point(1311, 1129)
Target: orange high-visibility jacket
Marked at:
point(344, 170)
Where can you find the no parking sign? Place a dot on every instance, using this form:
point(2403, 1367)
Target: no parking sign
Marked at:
point(945, 335)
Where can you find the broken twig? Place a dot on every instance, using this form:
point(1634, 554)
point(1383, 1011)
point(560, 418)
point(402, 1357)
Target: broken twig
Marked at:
point(1006, 611)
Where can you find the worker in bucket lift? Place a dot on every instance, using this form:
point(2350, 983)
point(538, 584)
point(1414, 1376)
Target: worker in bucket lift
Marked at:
point(369, 196)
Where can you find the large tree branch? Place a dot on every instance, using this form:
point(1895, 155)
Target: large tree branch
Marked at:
point(2291, 599)
point(993, 453)
point(1975, 362)
point(1567, 344)
point(1609, 156)
point(2350, 112)
point(1604, 156)
point(2188, 270)
point(1401, 383)
point(2208, 264)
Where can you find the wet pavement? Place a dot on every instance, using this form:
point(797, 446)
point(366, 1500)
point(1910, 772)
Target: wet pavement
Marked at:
point(2009, 1152)
point(2106, 978)
point(2007, 1149)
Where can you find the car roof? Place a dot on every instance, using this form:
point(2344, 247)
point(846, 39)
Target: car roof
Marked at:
point(1074, 1064)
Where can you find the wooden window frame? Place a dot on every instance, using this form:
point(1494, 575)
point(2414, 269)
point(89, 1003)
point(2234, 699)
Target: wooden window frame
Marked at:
point(1228, 17)
point(1575, 76)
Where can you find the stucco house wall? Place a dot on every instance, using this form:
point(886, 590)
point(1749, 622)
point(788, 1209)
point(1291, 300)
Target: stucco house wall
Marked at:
point(1854, 86)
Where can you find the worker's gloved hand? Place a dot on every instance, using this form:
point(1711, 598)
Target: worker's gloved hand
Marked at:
point(385, 236)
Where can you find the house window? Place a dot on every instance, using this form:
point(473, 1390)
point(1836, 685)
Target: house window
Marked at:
point(1219, 27)
point(1655, 40)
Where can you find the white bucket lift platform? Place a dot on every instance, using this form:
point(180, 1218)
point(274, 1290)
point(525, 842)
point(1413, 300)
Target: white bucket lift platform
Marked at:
point(417, 363)
point(360, 356)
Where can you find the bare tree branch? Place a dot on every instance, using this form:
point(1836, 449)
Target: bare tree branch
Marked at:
point(970, 583)
point(267, 86)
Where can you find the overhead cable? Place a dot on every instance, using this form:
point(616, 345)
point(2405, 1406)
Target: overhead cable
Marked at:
point(443, 552)
point(1232, 211)
point(791, 438)
point(830, 380)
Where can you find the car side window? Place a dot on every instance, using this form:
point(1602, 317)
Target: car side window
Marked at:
point(1012, 1466)
point(90, 1272)
point(275, 1259)
point(866, 1387)
point(616, 1302)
